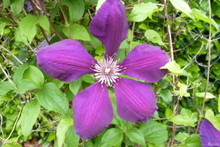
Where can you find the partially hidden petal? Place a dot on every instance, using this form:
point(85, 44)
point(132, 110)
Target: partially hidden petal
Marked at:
point(209, 135)
point(65, 60)
point(110, 25)
point(136, 101)
point(144, 62)
point(92, 110)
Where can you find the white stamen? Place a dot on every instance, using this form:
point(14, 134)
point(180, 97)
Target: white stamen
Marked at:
point(107, 71)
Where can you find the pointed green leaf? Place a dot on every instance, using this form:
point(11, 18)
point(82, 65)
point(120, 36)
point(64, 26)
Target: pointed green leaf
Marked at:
point(19, 36)
point(193, 141)
point(29, 116)
point(153, 36)
point(51, 98)
point(208, 95)
point(173, 67)
point(215, 120)
point(44, 23)
point(18, 74)
point(166, 95)
point(17, 6)
point(71, 138)
point(183, 120)
point(75, 85)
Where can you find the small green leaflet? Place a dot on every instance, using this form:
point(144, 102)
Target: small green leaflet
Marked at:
point(71, 138)
point(215, 120)
point(29, 116)
point(17, 6)
point(5, 87)
point(153, 36)
point(173, 67)
point(136, 135)
point(208, 95)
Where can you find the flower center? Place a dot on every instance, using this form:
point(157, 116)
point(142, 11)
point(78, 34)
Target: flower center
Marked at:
point(107, 71)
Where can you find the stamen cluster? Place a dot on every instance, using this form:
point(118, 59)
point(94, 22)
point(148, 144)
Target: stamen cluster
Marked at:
point(107, 71)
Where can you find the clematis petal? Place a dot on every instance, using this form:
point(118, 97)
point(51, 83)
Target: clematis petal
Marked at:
point(136, 101)
point(144, 62)
point(110, 25)
point(65, 60)
point(92, 110)
point(209, 135)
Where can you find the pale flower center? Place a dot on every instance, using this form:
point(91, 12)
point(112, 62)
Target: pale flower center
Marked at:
point(107, 71)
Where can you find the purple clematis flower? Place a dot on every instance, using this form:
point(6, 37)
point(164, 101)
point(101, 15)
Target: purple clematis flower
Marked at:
point(67, 60)
point(209, 135)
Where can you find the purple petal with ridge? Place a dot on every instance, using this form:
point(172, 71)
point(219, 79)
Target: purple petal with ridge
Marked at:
point(92, 110)
point(144, 62)
point(136, 101)
point(66, 60)
point(209, 135)
point(110, 25)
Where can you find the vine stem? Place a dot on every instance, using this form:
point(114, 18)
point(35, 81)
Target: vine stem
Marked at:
point(208, 68)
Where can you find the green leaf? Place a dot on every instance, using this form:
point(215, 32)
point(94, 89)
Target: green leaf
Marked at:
point(76, 8)
point(71, 138)
point(182, 6)
point(168, 112)
point(28, 26)
point(35, 75)
point(11, 144)
point(141, 11)
point(77, 32)
point(181, 136)
point(173, 67)
point(153, 36)
point(17, 6)
point(193, 141)
point(111, 137)
point(75, 85)
point(19, 36)
point(154, 132)
point(166, 95)
point(62, 128)
point(52, 98)
point(5, 87)
point(25, 85)
point(183, 120)
point(215, 120)
point(208, 95)
point(29, 116)
point(202, 16)
point(136, 136)
point(6, 3)
point(44, 23)
point(18, 74)
point(2, 26)
point(219, 103)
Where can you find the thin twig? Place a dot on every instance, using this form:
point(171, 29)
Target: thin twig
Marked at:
point(11, 54)
point(208, 68)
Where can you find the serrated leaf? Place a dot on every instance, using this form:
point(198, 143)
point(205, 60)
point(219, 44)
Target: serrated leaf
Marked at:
point(76, 8)
point(77, 32)
point(183, 120)
point(62, 128)
point(29, 116)
point(5, 87)
point(111, 137)
point(75, 85)
point(182, 6)
point(173, 67)
point(71, 138)
point(141, 11)
point(202, 16)
point(136, 136)
point(28, 26)
point(44, 23)
point(153, 36)
point(208, 95)
point(166, 95)
point(35, 75)
point(51, 98)
point(154, 132)
point(17, 6)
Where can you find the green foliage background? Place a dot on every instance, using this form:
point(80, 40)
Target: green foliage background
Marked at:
point(33, 105)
